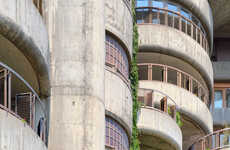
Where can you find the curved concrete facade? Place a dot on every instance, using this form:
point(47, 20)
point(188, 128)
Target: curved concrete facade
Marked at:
point(17, 135)
point(118, 21)
point(169, 41)
point(21, 24)
point(189, 104)
point(202, 10)
point(155, 123)
point(118, 100)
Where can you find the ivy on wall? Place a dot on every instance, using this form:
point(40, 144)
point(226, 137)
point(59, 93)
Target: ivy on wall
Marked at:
point(135, 144)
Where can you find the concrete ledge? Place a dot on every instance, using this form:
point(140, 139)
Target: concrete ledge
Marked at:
point(202, 10)
point(119, 21)
point(118, 99)
point(155, 123)
point(21, 24)
point(189, 104)
point(221, 71)
point(221, 116)
point(17, 135)
point(169, 41)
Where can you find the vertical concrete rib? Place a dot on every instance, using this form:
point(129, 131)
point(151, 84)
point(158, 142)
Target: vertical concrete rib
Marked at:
point(77, 34)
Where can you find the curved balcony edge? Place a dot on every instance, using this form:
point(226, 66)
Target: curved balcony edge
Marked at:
point(202, 9)
point(171, 134)
point(119, 22)
point(25, 36)
point(193, 108)
point(118, 100)
point(20, 132)
point(161, 39)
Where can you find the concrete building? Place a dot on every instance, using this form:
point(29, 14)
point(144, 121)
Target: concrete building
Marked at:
point(65, 66)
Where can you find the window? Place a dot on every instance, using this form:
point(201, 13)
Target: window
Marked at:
point(228, 98)
point(116, 56)
point(116, 137)
point(142, 3)
point(221, 95)
point(218, 100)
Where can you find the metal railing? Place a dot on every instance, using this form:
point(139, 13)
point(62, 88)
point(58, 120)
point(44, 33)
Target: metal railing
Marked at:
point(157, 100)
point(168, 74)
point(215, 141)
point(162, 16)
point(18, 98)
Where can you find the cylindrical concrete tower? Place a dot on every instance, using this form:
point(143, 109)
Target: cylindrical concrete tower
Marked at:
point(77, 35)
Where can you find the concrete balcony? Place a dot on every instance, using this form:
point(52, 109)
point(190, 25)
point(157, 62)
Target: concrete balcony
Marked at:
point(25, 39)
point(15, 134)
point(157, 125)
point(168, 41)
point(119, 21)
point(196, 117)
point(218, 140)
point(23, 118)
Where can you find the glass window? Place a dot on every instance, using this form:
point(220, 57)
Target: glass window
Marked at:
point(142, 3)
point(172, 7)
point(218, 101)
point(158, 4)
point(115, 135)
point(228, 98)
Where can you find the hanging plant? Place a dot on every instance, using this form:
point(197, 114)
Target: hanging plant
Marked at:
point(135, 144)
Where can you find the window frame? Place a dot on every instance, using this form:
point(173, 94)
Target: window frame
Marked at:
point(221, 87)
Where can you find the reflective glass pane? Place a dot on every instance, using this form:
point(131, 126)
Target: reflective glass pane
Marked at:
point(172, 7)
point(142, 3)
point(218, 101)
point(158, 4)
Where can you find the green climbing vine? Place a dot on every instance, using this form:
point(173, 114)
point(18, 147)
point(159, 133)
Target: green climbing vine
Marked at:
point(135, 144)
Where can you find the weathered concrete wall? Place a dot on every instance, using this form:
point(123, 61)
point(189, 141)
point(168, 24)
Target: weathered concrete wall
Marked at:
point(221, 116)
point(118, 20)
point(221, 70)
point(169, 41)
point(118, 99)
point(77, 36)
point(155, 123)
point(189, 104)
point(202, 10)
point(21, 23)
point(16, 135)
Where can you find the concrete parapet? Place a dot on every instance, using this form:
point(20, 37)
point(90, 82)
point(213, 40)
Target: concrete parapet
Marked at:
point(118, 21)
point(118, 100)
point(221, 71)
point(153, 122)
point(15, 134)
point(188, 103)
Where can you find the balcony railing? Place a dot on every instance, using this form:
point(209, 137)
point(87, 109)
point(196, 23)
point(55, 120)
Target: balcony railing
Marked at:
point(157, 100)
point(215, 141)
point(162, 16)
point(18, 98)
point(168, 74)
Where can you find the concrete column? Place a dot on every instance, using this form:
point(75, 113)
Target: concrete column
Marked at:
point(77, 113)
